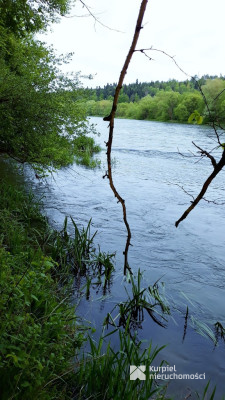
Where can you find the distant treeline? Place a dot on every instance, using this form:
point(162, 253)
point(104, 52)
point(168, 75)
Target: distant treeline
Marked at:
point(163, 101)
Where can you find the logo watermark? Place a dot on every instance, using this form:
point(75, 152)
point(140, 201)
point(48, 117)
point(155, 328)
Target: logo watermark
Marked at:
point(137, 372)
point(163, 372)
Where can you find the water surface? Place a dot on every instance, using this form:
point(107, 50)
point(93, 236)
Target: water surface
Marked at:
point(148, 172)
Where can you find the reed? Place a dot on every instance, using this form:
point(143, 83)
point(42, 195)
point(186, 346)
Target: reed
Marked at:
point(104, 373)
point(139, 301)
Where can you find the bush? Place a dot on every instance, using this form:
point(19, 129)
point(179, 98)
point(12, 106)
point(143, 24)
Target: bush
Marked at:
point(39, 334)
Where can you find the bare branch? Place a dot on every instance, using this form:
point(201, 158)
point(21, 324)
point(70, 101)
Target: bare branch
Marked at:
point(189, 76)
point(181, 187)
point(218, 95)
point(217, 166)
point(168, 55)
point(191, 195)
point(187, 156)
point(217, 169)
point(111, 118)
point(77, 16)
point(205, 153)
point(145, 54)
point(97, 20)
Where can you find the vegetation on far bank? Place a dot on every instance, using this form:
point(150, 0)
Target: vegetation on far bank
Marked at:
point(43, 123)
point(164, 101)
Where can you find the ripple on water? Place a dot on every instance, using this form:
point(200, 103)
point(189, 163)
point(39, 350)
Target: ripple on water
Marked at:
point(190, 260)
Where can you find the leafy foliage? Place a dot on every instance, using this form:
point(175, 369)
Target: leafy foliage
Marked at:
point(22, 16)
point(195, 116)
point(42, 111)
point(165, 101)
point(138, 90)
point(39, 332)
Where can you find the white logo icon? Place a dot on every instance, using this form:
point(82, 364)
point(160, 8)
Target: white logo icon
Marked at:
point(137, 372)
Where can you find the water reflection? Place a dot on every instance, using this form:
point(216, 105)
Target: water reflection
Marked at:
point(189, 260)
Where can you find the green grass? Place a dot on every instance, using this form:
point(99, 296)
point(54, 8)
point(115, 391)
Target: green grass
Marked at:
point(84, 149)
point(42, 342)
point(104, 373)
point(39, 332)
point(140, 301)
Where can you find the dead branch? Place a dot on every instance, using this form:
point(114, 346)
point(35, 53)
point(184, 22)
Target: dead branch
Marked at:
point(191, 195)
point(217, 168)
point(214, 124)
point(111, 118)
point(218, 95)
point(91, 14)
point(188, 395)
point(181, 187)
point(207, 154)
point(187, 156)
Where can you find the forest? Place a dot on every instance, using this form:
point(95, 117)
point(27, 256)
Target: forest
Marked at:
point(163, 101)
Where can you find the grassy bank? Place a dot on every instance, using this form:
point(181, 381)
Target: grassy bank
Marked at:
point(40, 354)
point(39, 333)
point(43, 351)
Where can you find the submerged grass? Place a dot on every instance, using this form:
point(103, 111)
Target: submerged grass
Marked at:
point(84, 149)
point(41, 338)
point(39, 332)
point(41, 354)
point(139, 301)
point(105, 373)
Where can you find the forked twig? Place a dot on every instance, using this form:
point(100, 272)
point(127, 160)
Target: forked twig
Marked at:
point(97, 20)
point(217, 168)
point(206, 153)
point(214, 125)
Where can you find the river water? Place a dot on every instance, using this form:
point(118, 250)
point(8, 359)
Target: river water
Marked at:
point(148, 172)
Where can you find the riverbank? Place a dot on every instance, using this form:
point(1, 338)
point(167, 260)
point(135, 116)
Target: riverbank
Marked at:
point(189, 260)
point(42, 341)
point(39, 331)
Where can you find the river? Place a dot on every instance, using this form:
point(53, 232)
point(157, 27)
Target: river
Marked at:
point(148, 172)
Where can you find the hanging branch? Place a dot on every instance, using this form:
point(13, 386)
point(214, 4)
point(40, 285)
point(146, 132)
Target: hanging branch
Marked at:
point(214, 125)
point(206, 153)
point(91, 14)
point(217, 166)
point(111, 118)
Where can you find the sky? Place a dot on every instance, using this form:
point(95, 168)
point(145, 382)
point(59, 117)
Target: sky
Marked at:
point(192, 31)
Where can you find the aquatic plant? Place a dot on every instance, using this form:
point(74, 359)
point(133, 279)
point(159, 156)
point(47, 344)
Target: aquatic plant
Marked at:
point(40, 333)
point(139, 300)
point(104, 373)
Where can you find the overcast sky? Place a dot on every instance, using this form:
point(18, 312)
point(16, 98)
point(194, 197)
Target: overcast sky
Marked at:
point(193, 31)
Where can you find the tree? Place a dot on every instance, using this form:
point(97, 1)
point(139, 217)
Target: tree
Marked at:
point(123, 97)
point(189, 103)
point(41, 111)
point(23, 16)
point(167, 102)
point(214, 91)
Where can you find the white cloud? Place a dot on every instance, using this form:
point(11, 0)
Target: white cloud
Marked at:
point(191, 30)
